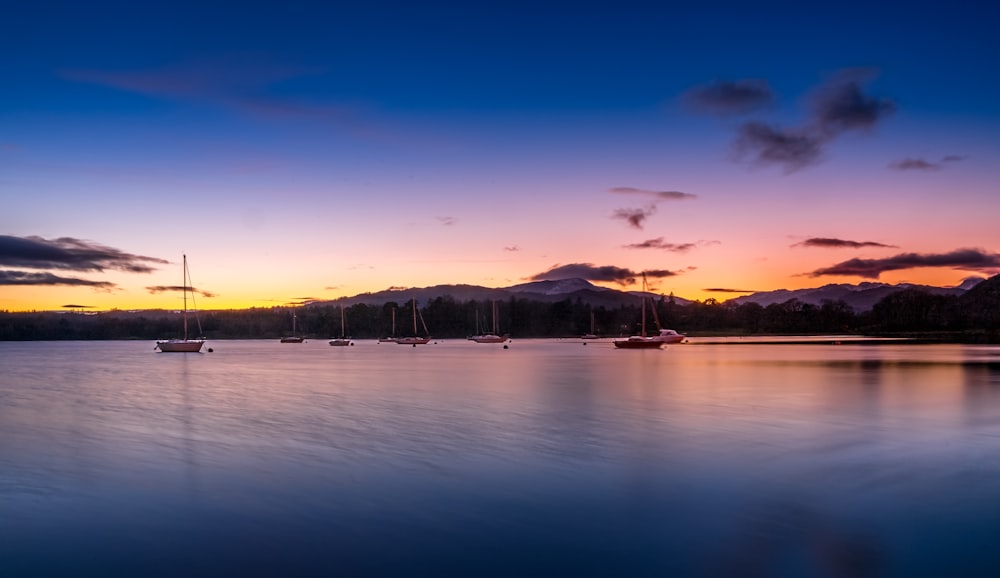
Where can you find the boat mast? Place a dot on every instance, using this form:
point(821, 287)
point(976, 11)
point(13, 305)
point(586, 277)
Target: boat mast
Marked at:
point(184, 290)
point(414, 316)
point(495, 332)
point(343, 333)
point(644, 304)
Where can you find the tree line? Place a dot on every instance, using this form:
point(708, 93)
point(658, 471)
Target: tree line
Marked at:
point(974, 316)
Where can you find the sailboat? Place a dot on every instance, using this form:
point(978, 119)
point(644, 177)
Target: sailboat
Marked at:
point(293, 338)
point(590, 335)
point(183, 345)
point(489, 337)
point(415, 340)
point(342, 340)
point(392, 338)
point(641, 341)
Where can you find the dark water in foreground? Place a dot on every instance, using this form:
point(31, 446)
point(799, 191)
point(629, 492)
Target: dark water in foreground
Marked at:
point(458, 459)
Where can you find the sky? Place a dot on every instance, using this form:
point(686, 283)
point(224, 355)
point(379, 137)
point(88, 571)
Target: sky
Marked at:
point(310, 150)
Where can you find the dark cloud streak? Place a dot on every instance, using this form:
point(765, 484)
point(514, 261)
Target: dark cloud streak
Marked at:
point(70, 254)
point(659, 243)
point(830, 243)
point(965, 259)
point(659, 195)
point(178, 288)
point(31, 278)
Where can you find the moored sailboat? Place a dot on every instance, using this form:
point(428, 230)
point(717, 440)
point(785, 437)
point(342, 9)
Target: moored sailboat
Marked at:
point(590, 335)
point(641, 341)
point(392, 337)
point(415, 339)
point(343, 340)
point(184, 345)
point(293, 338)
point(489, 337)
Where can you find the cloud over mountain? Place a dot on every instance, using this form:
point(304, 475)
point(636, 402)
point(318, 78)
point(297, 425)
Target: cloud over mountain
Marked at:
point(591, 272)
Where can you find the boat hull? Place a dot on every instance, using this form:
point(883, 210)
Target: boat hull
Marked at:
point(413, 340)
point(292, 339)
point(488, 338)
point(180, 345)
point(639, 343)
point(340, 342)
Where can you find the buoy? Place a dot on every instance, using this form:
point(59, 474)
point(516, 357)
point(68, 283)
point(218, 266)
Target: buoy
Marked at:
point(210, 350)
point(505, 347)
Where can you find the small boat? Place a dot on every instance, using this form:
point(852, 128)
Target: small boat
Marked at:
point(415, 339)
point(184, 345)
point(641, 341)
point(293, 338)
point(494, 337)
point(670, 336)
point(392, 338)
point(343, 340)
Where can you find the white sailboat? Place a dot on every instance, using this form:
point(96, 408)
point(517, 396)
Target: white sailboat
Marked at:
point(293, 338)
point(343, 340)
point(415, 339)
point(392, 338)
point(590, 335)
point(489, 337)
point(184, 345)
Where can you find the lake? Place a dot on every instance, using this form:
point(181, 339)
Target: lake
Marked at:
point(549, 458)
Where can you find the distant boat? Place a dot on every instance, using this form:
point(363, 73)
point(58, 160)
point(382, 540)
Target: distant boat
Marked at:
point(391, 339)
point(342, 340)
point(183, 345)
point(641, 341)
point(489, 337)
point(293, 338)
point(590, 335)
point(415, 339)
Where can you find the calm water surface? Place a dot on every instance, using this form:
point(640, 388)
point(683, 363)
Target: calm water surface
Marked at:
point(460, 459)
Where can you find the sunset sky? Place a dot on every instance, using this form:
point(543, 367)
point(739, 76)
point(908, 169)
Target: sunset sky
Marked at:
point(310, 150)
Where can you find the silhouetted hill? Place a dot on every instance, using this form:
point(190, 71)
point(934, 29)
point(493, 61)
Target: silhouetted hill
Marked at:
point(541, 291)
point(981, 304)
point(861, 297)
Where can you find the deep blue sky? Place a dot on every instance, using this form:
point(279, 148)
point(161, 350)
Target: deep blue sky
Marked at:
point(489, 142)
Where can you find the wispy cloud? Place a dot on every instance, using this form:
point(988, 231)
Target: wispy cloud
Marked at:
point(512, 249)
point(634, 217)
point(178, 288)
point(591, 272)
point(916, 164)
point(660, 243)
point(829, 243)
point(963, 259)
point(446, 220)
point(729, 97)
point(248, 83)
point(838, 106)
point(30, 278)
point(658, 195)
point(70, 254)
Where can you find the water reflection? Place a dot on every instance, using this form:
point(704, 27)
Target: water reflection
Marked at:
point(544, 459)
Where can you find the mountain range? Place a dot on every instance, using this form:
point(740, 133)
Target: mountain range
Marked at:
point(860, 297)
